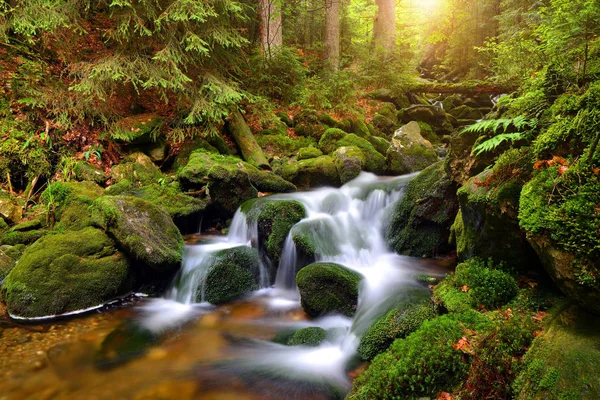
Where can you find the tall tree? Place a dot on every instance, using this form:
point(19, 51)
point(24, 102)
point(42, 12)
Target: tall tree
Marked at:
point(384, 28)
point(332, 34)
point(271, 35)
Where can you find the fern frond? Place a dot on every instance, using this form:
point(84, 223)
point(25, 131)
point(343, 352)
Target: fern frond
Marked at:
point(496, 141)
point(502, 124)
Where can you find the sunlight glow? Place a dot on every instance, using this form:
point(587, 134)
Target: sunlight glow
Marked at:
point(428, 5)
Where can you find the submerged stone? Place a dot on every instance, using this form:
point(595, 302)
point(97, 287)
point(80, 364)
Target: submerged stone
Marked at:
point(66, 272)
point(328, 288)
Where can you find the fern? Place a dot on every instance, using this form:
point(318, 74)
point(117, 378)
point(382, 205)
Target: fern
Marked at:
point(500, 128)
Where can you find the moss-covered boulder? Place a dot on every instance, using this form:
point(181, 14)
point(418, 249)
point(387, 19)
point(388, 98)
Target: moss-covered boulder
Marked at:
point(308, 123)
point(309, 152)
point(311, 336)
point(183, 157)
point(432, 115)
point(66, 272)
point(465, 112)
point(327, 288)
point(384, 123)
point(409, 151)
point(420, 222)
point(349, 161)
point(559, 212)
point(380, 144)
point(231, 273)
point(10, 211)
point(374, 161)
point(138, 129)
point(84, 171)
point(489, 206)
point(6, 264)
point(143, 230)
point(69, 203)
point(396, 324)
point(328, 142)
point(315, 172)
point(314, 237)
point(564, 361)
point(136, 168)
point(268, 182)
point(282, 145)
point(158, 151)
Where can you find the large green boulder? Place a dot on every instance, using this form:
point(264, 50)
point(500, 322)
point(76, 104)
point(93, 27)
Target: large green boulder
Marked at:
point(309, 152)
point(137, 168)
point(327, 288)
point(420, 222)
point(308, 123)
point(374, 161)
point(559, 212)
point(489, 209)
point(409, 151)
point(328, 142)
point(432, 115)
point(143, 230)
point(64, 273)
point(231, 273)
point(68, 203)
point(183, 156)
point(314, 172)
point(396, 324)
point(138, 129)
point(349, 161)
point(564, 361)
point(314, 237)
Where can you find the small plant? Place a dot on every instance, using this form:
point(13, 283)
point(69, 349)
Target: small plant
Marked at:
point(500, 128)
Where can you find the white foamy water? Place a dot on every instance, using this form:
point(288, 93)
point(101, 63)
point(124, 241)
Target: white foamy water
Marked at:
point(346, 224)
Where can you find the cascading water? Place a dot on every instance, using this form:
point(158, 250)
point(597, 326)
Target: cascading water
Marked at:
point(347, 224)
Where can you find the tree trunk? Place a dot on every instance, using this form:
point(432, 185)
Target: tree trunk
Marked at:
point(384, 28)
point(332, 34)
point(251, 151)
point(271, 37)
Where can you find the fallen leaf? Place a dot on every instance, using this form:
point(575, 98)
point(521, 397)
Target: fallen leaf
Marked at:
point(445, 396)
point(465, 288)
point(562, 169)
point(463, 345)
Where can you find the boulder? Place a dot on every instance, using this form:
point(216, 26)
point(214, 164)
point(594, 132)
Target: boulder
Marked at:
point(306, 153)
point(158, 151)
point(432, 115)
point(183, 157)
point(84, 171)
point(69, 202)
point(311, 336)
point(138, 129)
point(315, 172)
point(308, 123)
point(137, 168)
point(327, 288)
point(10, 211)
point(143, 230)
point(64, 273)
point(409, 151)
point(349, 161)
point(374, 161)
point(230, 274)
point(420, 222)
point(328, 142)
point(384, 124)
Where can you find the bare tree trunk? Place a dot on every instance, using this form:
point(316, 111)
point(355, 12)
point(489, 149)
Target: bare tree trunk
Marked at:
point(384, 28)
point(271, 37)
point(332, 34)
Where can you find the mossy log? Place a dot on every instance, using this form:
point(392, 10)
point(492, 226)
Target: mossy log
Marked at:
point(251, 151)
point(468, 88)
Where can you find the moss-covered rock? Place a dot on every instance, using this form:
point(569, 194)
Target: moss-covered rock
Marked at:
point(420, 222)
point(374, 161)
point(311, 336)
point(136, 168)
point(283, 145)
point(409, 151)
point(69, 203)
point(315, 172)
point(10, 211)
point(349, 161)
point(396, 324)
point(314, 237)
point(432, 115)
point(158, 151)
point(308, 123)
point(466, 112)
point(183, 157)
point(84, 171)
point(143, 230)
point(138, 129)
point(232, 273)
point(359, 128)
point(6, 264)
point(327, 288)
point(268, 182)
point(13, 238)
point(309, 152)
point(388, 110)
point(328, 142)
point(66, 272)
point(489, 205)
point(422, 364)
point(380, 144)
point(564, 361)
point(384, 124)
point(559, 213)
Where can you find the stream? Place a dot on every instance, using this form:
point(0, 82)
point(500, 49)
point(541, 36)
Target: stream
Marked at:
point(188, 350)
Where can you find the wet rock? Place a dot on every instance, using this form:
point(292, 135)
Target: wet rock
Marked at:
point(127, 342)
point(327, 288)
point(143, 230)
point(349, 161)
point(315, 172)
point(409, 151)
point(67, 272)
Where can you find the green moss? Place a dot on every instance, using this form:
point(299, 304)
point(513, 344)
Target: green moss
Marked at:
point(563, 362)
point(451, 297)
point(283, 145)
point(315, 172)
point(70, 202)
point(422, 364)
point(380, 144)
point(143, 230)
point(309, 152)
point(396, 324)
point(428, 133)
point(136, 168)
point(275, 220)
point(374, 161)
point(328, 288)
point(138, 129)
point(84, 171)
point(19, 237)
point(349, 162)
point(232, 273)
point(312, 336)
point(66, 272)
point(328, 142)
point(360, 128)
point(308, 123)
point(314, 237)
point(183, 157)
point(420, 222)
point(385, 124)
point(27, 225)
point(268, 182)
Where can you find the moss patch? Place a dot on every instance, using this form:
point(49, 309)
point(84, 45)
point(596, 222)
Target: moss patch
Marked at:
point(315, 172)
